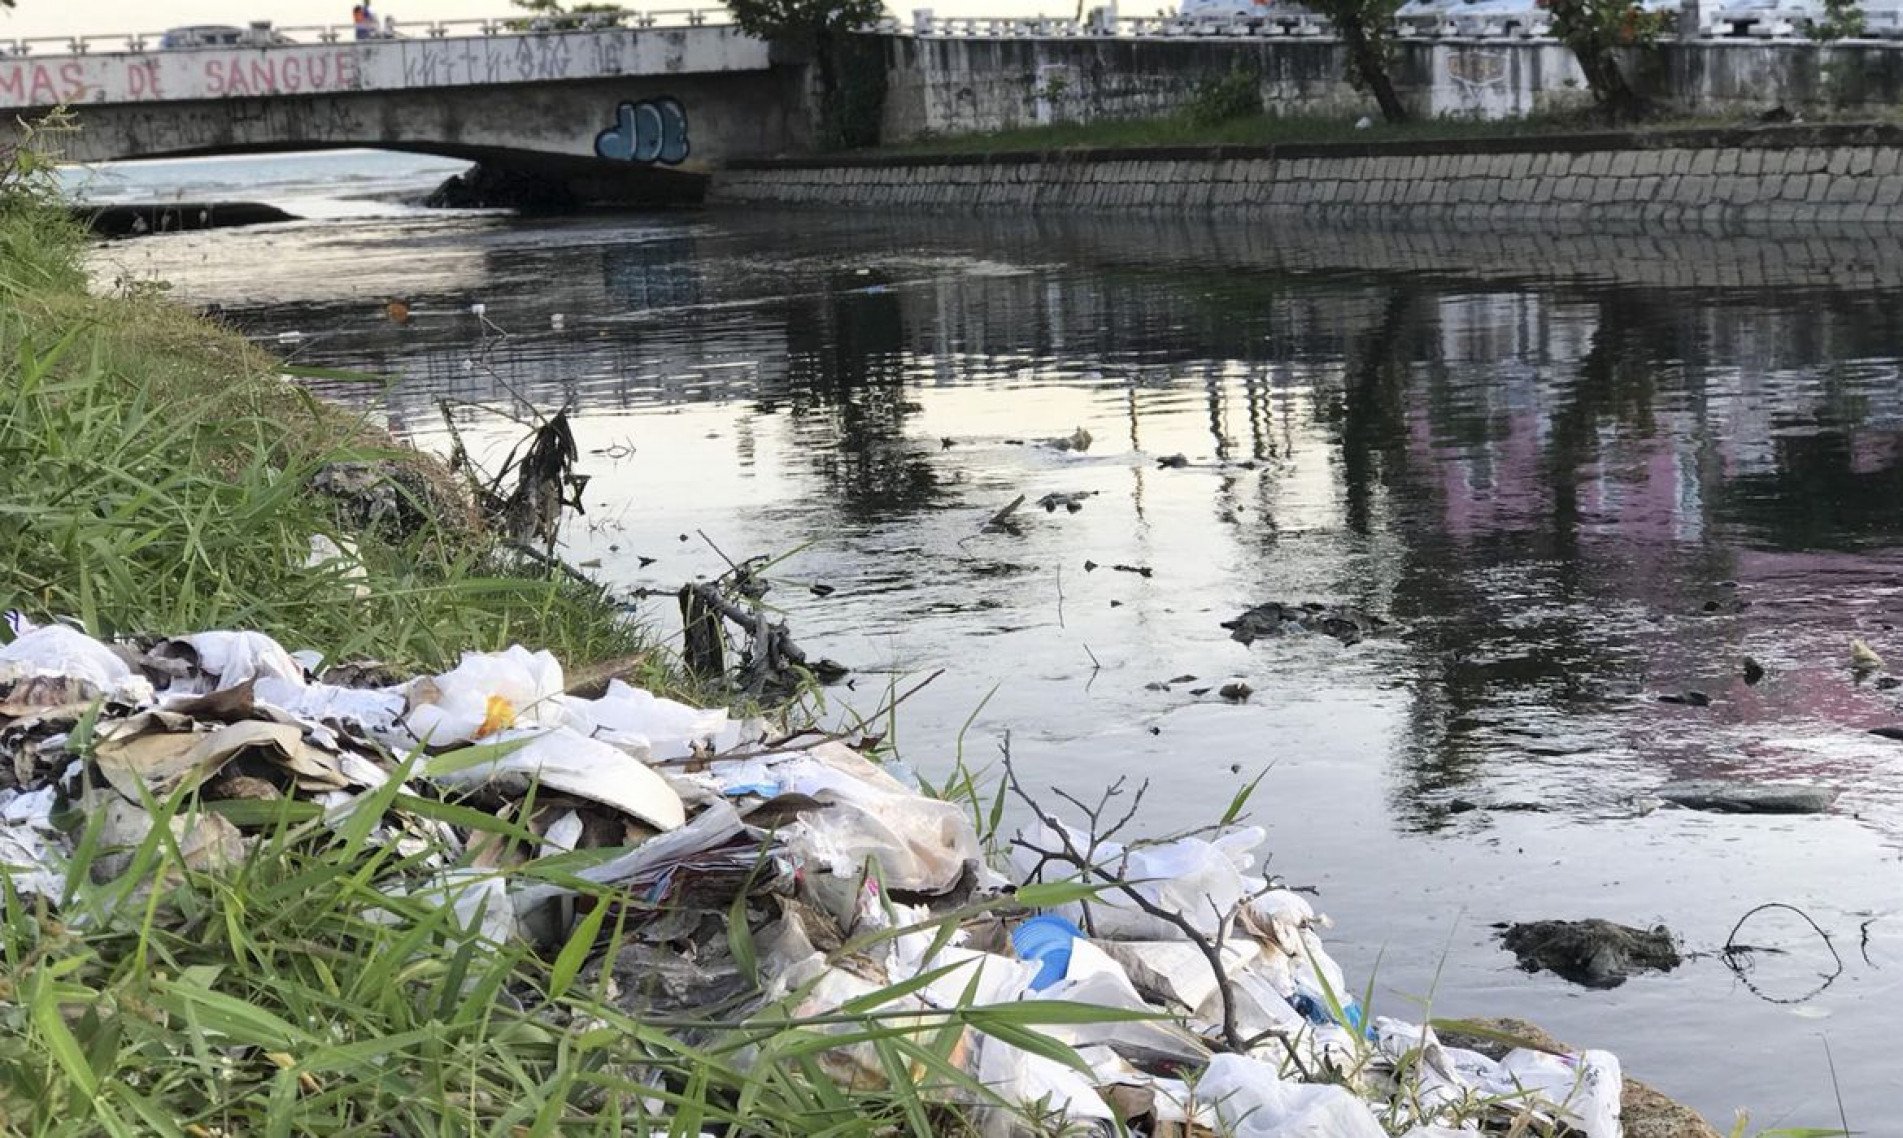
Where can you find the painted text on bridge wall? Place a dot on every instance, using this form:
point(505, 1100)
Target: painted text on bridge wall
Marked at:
point(378, 65)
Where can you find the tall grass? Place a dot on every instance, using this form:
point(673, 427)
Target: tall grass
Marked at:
point(155, 476)
point(298, 992)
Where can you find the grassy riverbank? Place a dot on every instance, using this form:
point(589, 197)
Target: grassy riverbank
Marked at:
point(157, 474)
point(298, 975)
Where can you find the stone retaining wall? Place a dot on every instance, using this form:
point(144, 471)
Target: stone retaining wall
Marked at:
point(940, 85)
point(1768, 175)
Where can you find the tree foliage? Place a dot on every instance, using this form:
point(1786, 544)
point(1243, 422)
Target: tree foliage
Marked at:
point(564, 15)
point(803, 24)
point(850, 75)
point(1599, 32)
point(1843, 20)
point(1366, 28)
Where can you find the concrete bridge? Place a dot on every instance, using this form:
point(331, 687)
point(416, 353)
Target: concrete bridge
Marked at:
point(606, 114)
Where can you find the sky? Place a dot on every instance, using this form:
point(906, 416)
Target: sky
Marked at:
point(107, 17)
point(103, 17)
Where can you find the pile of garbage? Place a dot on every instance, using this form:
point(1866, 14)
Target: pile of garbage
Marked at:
point(1223, 1014)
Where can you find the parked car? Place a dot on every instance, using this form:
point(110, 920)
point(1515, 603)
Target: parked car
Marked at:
point(1768, 19)
point(194, 36)
point(1248, 13)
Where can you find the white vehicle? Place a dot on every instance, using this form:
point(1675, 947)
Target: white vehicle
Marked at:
point(1472, 18)
point(1768, 19)
point(1251, 14)
point(259, 34)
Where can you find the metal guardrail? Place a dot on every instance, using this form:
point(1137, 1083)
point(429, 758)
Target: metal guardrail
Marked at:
point(267, 35)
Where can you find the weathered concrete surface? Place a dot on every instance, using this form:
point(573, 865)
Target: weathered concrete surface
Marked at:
point(375, 65)
point(946, 85)
point(1767, 176)
point(951, 86)
point(618, 115)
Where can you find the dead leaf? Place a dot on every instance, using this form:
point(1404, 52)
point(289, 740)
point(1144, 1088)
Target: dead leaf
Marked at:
point(227, 706)
point(243, 786)
point(157, 752)
point(39, 695)
point(211, 843)
point(781, 809)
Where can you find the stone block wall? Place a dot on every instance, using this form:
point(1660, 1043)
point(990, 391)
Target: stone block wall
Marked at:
point(1768, 175)
point(957, 85)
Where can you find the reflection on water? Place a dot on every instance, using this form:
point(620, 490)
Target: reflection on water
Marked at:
point(1579, 471)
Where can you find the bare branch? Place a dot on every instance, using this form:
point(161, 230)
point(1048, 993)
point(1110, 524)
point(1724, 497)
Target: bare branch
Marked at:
point(1085, 862)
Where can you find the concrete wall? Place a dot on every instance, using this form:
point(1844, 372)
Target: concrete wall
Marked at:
point(951, 86)
point(1765, 176)
point(944, 85)
point(721, 116)
point(372, 65)
point(619, 115)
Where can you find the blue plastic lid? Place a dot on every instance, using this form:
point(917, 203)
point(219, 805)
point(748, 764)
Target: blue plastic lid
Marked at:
point(1047, 940)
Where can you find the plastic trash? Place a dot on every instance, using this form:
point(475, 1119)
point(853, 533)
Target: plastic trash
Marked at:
point(56, 651)
point(1032, 1082)
point(573, 764)
point(641, 721)
point(913, 843)
point(487, 693)
point(1176, 971)
point(1586, 1089)
point(227, 659)
point(1093, 978)
point(26, 851)
point(1202, 881)
point(1252, 1100)
point(1046, 940)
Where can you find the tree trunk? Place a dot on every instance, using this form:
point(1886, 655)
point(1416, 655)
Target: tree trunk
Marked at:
point(1616, 96)
point(827, 65)
point(1367, 62)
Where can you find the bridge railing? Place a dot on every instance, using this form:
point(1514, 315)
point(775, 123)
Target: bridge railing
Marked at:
point(268, 35)
point(1748, 20)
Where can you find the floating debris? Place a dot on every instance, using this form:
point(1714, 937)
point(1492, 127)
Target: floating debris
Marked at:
point(1274, 618)
point(1863, 658)
point(1724, 797)
point(1071, 502)
point(1077, 440)
point(1592, 953)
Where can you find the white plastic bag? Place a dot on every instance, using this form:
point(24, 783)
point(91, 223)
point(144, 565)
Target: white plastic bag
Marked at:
point(230, 658)
point(1585, 1089)
point(1202, 881)
point(487, 693)
point(56, 650)
point(636, 720)
point(562, 760)
point(1253, 1101)
point(919, 844)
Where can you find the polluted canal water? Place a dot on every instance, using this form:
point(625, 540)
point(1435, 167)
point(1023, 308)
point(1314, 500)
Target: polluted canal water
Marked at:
point(1580, 477)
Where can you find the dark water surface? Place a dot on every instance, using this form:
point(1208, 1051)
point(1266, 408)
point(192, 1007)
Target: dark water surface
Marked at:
point(1578, 471)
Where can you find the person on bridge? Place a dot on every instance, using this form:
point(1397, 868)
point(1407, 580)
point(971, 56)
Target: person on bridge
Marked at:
point(365, 21)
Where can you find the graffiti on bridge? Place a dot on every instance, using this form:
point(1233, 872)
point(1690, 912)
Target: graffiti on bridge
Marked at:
point(652, 130)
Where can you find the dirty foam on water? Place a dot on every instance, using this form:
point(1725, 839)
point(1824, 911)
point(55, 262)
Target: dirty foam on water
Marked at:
point(1573, 483)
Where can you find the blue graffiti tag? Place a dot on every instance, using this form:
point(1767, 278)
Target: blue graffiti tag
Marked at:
point(652, 130)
